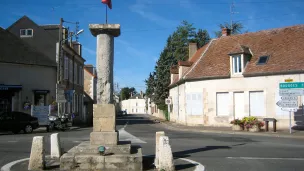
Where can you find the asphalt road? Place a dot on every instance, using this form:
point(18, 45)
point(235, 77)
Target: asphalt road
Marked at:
point(216, 152)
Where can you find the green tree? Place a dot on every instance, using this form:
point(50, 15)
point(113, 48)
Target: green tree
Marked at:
point(176, 48)
point(126, 92)
point(237, 28)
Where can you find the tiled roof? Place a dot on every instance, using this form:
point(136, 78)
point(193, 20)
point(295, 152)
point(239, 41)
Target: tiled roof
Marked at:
point(14, 50)
point(284, 46)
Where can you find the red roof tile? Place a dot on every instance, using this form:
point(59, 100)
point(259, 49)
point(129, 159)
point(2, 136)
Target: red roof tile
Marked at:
point(283, 45)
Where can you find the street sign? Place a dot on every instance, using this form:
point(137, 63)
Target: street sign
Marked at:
point(289, 98)
point(168, 101)
point(289, 80)
point(292, 85)
point(288, 103)
point(291, 92)
point(289, 109)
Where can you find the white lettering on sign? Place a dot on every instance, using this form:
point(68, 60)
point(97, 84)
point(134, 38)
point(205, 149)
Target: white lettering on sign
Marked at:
point(289, 97)
point(291, 92)
point(288, 103)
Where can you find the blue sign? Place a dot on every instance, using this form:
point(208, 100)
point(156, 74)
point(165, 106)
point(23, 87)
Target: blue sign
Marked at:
point(69, 95)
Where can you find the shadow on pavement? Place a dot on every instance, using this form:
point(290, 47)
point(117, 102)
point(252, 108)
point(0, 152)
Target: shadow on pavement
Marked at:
point(133, 119)
point(186, 153)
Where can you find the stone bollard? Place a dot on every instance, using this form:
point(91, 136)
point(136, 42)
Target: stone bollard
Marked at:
point(55, 146)
point(165, 155)
point(37, 158)
point(158, 134)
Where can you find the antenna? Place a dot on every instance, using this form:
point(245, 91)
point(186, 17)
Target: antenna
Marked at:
point(231, 13)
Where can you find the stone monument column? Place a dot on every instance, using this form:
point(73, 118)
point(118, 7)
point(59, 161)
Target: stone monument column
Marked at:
point(104, 117)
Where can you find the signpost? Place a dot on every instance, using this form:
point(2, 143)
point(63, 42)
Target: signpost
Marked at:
point(289, 92)
point(168, 102)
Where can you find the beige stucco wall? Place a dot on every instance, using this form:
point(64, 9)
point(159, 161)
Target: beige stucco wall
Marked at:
point(268, 84)
point(31, 78)
point(132, 108)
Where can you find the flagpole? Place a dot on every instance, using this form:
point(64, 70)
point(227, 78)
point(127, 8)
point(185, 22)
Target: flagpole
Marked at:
point(106, 14)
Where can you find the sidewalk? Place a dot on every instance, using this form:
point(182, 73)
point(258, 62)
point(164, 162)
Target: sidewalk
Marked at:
point(299, 134)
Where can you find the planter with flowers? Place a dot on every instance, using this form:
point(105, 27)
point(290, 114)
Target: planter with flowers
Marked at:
point(252, 124)
point(237, 125)
point(54, 106)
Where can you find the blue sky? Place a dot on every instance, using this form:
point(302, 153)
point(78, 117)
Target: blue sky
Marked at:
point(146, 24)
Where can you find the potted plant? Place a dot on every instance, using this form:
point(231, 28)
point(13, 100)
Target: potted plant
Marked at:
point(237, 125)
point(252, 124)
point(27, 105)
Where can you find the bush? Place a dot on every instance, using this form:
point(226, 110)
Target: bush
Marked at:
point(237, 122)
point(251, 121)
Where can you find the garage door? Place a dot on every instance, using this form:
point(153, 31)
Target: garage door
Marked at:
point(239, 112)
point(257, 103)
point(222, 104)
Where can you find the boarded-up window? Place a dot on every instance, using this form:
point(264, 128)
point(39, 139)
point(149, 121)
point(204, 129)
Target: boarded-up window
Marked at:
point(257, 103)
point(222, 104)
point(194, 104)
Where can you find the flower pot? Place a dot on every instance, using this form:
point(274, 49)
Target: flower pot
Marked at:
point(255, 129)
point(237, 128)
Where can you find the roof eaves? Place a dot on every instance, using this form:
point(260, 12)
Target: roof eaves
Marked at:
point(272, 73)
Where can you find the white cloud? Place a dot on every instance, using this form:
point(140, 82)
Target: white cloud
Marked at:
point(90, 51)
point(140, 8)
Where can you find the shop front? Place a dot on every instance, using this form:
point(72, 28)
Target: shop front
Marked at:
point(9, 97)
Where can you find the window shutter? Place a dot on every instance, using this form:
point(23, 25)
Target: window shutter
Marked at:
point(71, 71)
point(66, 67)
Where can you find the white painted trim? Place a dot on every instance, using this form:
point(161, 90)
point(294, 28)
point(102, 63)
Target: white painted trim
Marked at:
point(198, 167)
point(199, 58)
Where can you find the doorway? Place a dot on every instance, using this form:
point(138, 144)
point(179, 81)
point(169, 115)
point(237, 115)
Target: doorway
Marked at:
point(239, 105)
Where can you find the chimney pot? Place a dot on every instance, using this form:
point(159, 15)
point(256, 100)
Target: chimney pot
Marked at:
point(226, 31)
point(192, 49)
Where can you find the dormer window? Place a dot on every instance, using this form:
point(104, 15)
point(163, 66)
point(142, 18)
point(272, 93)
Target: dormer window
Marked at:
point(26, 32)
point(237, 67)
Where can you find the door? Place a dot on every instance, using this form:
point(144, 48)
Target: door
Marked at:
point(239, 105)
point(256, 103)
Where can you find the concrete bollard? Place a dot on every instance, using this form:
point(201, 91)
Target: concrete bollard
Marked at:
point(165, 155)
point(55, 146)
point(158, 134)
point(37, 158)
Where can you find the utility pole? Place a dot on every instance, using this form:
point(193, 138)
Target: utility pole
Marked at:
point(59, 68)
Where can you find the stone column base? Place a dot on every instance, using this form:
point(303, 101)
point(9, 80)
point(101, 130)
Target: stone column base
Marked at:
point(104, 138)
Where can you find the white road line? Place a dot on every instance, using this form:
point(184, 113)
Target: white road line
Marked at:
point(8, 166)
point(126, 136)
point(12, 141)
point(198, 167)
point(264, 158)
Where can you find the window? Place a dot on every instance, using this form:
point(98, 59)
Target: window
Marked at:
point(237, 64)
point(80, 75)
point(257, 103)
point(75, 74)
point(194, 104)
point(66, 67)
point(26, 32)
point(39, 99)
point(262, 60)
point(222, 104)
point(71, 71)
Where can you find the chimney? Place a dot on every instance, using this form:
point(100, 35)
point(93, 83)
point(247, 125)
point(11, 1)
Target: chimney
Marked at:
point(141, 94)
point(226, 31)
point(192, 49)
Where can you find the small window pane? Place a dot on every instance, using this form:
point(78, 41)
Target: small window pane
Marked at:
point(239, 64)
point(235, 64)
point(29, 32)
point(22, 32)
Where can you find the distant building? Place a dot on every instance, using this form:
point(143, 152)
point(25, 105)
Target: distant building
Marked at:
point(135, 105)
point(45, 38)
point(90, 81)
point(235, 76)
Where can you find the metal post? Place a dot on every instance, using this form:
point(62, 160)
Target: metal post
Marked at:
point(289, 121)
point(59, 66)
point(106, 14)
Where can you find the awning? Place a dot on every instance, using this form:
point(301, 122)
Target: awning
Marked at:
point(10, 87)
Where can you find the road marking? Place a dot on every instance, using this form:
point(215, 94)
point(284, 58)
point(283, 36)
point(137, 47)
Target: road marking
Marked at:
point(12, 141)
point(263, 158)
point(77, 141)
point(8, 166)
point(126, 136)
point(198, 167)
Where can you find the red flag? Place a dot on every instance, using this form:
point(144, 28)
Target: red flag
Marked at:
point(108, 2)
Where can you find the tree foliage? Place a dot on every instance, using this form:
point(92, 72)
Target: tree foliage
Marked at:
point(237, 28)
point(176, 49)
point(126, 92)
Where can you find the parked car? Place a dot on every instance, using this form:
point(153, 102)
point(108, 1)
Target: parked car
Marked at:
point(17, 121)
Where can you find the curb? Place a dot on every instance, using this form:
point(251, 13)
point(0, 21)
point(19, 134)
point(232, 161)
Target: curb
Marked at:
point(230, 132)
